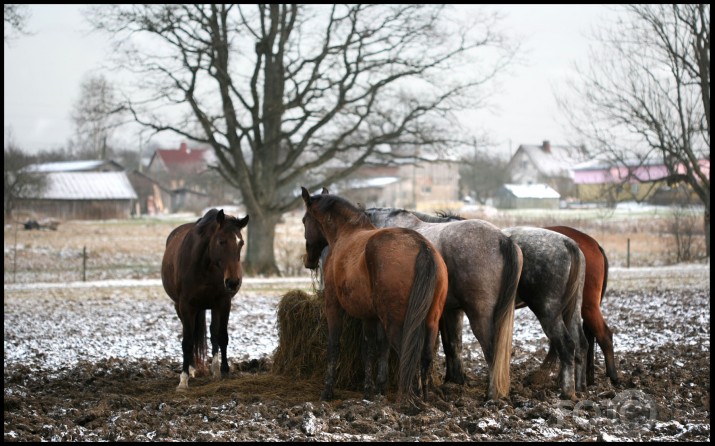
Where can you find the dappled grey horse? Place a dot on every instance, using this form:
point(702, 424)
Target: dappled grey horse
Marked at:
point(484, 267)
point(551, 286)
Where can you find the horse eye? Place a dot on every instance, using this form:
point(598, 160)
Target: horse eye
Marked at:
point(222, 242)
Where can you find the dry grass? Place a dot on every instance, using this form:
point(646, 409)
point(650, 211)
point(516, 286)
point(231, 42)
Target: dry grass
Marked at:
point(132, 249)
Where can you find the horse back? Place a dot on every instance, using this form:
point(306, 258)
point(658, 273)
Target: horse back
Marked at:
point(596, 264)
point(170, 261)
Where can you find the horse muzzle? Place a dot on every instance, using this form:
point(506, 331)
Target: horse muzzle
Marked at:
point(232, 284)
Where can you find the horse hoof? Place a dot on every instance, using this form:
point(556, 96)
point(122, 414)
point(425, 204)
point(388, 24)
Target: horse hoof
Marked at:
point(569, 396)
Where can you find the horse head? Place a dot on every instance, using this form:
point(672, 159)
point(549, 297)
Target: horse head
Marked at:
point(315, 241)
point(224, 247)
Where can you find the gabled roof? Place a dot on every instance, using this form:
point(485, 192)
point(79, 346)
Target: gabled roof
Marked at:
point(88, 186)
point(75, 166)
point(532, 191)
point(184, 159)
point(550, 160)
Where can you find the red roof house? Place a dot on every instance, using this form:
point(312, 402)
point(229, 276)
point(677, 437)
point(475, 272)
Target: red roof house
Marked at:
point(182, 161)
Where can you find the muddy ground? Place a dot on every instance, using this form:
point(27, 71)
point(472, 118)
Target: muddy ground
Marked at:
point(102, 364)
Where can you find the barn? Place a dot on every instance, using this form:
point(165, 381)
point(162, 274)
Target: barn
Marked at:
point(82, 196)
point(527, 196)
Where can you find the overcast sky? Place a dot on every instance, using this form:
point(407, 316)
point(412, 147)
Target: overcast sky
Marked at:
point(43, 73)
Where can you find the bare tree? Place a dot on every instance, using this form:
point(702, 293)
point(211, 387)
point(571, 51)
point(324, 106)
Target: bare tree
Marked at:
point(17, 182)
point(16, 18)
point(646, 96)
point(96, 115)
point(481, 174)
point(282, 92)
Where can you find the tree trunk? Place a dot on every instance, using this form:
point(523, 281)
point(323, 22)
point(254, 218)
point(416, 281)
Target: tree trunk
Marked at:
point(260, 258)
point(707, 230)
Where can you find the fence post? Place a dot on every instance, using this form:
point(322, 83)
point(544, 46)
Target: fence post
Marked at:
point(84, 264)
point(628, 255)
point(14, 255)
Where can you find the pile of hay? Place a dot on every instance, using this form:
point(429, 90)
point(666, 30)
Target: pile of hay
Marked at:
point(303, 343)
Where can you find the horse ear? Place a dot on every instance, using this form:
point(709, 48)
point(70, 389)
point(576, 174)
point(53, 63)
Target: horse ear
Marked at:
point(325, 191)
point(305, 193)
point(220, 217)
point(243, 222)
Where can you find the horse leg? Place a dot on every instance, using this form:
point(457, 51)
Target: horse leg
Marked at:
point(369, 327)
point(187, 347)
point(213, 328)
point(559, 337)
point(591, 354)
point(450, 329)
point(483, 329)
point(221, 314)
point(550, 358)
point(383, 356)
point(604, 336)
point(334, 316)
point(579, 337)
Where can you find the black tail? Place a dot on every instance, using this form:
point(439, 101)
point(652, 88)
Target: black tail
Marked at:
point(413, 329)
point(605, 274)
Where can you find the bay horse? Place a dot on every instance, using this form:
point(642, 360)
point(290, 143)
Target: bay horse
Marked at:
point(551, 285)
point(484, 267)
point(393, 279)
point(201, 270)
point(594, 289)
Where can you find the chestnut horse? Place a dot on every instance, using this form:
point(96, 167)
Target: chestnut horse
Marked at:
point(484, 266)
point(201, 270)
point(392, 279)
point(594, 288)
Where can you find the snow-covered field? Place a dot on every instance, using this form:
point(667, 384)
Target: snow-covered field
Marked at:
point(52, 325)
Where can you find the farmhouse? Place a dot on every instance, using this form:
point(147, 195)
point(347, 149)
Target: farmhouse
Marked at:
point(186, 174)
point(412, 184)
point(544, 164)
point(82, 196)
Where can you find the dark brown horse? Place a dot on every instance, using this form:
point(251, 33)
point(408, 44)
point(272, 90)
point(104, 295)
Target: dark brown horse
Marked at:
point(393, 279)
point(201, 270)
point(594, 288)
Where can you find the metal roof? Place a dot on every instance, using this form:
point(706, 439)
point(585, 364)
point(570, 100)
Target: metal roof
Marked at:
point(532, 191)
point(71, 166)
point(88, 186)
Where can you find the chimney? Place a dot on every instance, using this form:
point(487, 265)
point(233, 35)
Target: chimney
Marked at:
point(182, 148)
point(546, 147)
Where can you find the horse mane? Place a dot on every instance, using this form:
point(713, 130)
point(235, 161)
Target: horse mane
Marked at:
point(357, 215)
point(441, 217)
point(207, 219)
point(391, 211)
